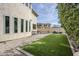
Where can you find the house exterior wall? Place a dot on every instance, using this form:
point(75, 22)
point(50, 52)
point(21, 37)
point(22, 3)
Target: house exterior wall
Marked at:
point(58, 29)
point(44, 28)
point(20, 11)
point(34, 21)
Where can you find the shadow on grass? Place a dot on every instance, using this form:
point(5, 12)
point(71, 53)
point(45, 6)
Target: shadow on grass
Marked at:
point(51, 45)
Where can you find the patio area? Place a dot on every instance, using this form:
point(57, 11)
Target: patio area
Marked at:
point(8, 48)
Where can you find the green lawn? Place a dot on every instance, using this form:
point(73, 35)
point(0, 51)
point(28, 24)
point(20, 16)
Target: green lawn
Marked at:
point(51, 45)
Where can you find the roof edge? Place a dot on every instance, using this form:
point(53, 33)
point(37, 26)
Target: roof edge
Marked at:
point(35, 13)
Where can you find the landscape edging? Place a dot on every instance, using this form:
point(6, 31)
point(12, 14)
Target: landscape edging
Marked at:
point(24, 52)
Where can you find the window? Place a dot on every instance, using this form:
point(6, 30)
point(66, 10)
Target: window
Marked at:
point(26, 4)
point(26, 26)
point(29, 5)
point(7, 24)
point(34, 26)
point(15, 25)
point(22, 25)
point(29, 26)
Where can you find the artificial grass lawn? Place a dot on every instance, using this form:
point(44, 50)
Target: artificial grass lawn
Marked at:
point(51, 45)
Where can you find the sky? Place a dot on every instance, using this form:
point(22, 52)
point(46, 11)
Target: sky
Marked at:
point(47, 13)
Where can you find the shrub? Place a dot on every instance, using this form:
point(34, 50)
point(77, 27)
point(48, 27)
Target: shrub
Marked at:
point(69, 18)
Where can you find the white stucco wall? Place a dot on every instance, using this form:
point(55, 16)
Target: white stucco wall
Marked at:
point(15, 10)
point(34, 21)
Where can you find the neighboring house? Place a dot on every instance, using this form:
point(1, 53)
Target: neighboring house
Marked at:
point(58, 29)
point(44, 28)
point(17, 20)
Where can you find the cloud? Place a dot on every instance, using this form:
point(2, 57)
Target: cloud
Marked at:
point(47, 12)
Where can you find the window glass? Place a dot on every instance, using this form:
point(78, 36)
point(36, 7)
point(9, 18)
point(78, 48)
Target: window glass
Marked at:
point(15, 25)
point(26, 26)
point(7, 24)
point(34, 26)
point(29, 5)
point(22, 25)
point(29, 26)
point(26, 4)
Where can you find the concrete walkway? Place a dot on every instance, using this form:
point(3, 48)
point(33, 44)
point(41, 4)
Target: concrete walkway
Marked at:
point(9, 48)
